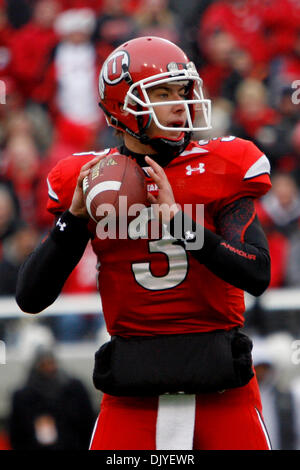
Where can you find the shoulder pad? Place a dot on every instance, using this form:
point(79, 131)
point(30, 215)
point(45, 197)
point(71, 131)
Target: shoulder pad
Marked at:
point(62, 179)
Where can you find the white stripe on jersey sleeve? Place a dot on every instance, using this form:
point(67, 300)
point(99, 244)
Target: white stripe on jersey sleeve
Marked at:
point(52, 194)
point(192, 151)
point(261, 166)
point(103, 152)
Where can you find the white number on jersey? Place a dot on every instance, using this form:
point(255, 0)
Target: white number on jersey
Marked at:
point(176, 257)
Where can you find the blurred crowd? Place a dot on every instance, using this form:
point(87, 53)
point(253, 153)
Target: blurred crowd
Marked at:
point(247, 52)
point(51, 51)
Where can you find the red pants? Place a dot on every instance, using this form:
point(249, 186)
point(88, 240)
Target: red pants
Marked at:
point(221, 421)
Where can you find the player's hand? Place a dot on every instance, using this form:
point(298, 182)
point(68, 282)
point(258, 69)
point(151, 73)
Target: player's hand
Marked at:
point(164, 204)
point(78, 207)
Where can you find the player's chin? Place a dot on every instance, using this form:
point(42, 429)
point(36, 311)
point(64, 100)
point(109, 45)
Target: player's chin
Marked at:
point(171, 134)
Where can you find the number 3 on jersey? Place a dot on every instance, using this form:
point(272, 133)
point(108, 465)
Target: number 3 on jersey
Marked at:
point(176, 256)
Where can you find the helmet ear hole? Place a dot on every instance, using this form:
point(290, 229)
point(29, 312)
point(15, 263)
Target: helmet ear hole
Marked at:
point(122, 110)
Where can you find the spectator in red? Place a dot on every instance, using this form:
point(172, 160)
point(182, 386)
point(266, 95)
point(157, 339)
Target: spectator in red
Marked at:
point(14, 103)
point(25, 170)
point(31, 49)
point(219, 48)
point(22, 167)
point(281, 19)
point(279, 213)
point(154, 18)
point(71, 84)
point(19, 117)
point(6, 36)
point(95, 5)
point(114, 26)
point(75, 67)
point(279, 141)
point(253, 111)
point(242, 67)
point(284, 71)
point(241, 19)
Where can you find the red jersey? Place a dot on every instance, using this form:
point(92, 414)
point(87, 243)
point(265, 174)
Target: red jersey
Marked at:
point(154, 286)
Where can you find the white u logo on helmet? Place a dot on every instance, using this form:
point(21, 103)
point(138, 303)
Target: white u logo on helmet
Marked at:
point(112, 70)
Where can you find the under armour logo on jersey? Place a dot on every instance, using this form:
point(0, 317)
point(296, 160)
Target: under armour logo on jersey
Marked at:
point(61, 226)
point(188, 235)
point(200, 169)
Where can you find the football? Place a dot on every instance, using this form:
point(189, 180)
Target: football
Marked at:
point(114, 184)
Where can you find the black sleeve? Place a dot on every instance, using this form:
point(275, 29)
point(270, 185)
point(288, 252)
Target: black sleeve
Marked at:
point(43, 274)
point(238, 253)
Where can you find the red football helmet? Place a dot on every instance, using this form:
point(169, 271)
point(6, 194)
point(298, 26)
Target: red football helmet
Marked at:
point(132, 69)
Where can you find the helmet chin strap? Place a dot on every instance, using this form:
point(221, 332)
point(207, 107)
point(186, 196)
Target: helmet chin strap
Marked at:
point(167, 149)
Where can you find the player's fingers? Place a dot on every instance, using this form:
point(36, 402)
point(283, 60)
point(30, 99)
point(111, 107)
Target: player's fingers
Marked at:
point(152, 199)
point(156, 178)
point(81, 176)
point(161, 181)
point(155, 166)
point(85, 169)
point(92, 162)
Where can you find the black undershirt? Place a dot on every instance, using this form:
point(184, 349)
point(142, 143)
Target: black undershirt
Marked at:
point(238, 252)
point(140, 157)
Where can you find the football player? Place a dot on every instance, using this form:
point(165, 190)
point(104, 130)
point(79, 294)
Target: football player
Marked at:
point(163, 289)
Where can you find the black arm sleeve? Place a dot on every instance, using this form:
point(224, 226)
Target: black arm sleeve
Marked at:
point(43, 274)
point(238, 253)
